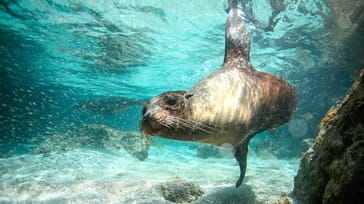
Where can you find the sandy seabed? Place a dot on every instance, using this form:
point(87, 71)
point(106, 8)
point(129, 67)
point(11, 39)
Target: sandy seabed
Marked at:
point(113, 176)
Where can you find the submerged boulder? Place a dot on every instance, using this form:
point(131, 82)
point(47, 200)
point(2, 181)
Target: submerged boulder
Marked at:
point(96, 137)
point(332, 170)
point(223, 194)
point(180, 191)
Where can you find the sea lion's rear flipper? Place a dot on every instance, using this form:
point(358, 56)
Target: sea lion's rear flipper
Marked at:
point(241, 152)
point(237, 40)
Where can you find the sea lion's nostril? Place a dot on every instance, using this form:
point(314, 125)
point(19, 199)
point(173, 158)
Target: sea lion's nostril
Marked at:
point(146, 117)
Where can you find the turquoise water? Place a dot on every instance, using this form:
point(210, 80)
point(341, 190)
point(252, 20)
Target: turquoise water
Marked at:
point(58, 54)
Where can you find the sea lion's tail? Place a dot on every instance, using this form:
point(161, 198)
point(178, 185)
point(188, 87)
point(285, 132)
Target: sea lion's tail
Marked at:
point(237, 40)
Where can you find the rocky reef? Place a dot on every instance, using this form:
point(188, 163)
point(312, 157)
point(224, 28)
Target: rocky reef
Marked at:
point(180, 191)
point(346, 31)
point(332, 170)
point(96, 137)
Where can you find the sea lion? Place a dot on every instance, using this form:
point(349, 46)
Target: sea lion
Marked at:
point(229, 106)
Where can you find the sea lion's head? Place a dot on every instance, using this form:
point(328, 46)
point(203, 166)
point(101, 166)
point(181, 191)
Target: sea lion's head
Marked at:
point(165, 115)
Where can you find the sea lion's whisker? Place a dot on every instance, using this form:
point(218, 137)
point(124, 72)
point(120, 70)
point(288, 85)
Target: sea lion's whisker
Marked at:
point(210, 128)
point(192, 125)
point(167, 125)
point(208, 125)
point(171, 120)
point(183, 122)
point(199, 126)
point(147, 138)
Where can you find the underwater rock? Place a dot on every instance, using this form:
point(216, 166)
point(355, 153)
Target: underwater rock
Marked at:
point(332, 170)
point(243, 194)
point(347, 14)
point(346, 41)
point(96, 137)
point(306, 144)
point(180, 191)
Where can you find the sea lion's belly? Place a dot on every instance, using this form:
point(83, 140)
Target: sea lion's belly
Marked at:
point(221, 98)
point(243, 99)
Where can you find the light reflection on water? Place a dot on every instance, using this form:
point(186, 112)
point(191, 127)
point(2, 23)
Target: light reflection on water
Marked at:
point(101, 48)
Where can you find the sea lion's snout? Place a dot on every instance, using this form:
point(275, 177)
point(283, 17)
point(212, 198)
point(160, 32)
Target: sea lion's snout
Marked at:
point(149, 123)
point(150, 127)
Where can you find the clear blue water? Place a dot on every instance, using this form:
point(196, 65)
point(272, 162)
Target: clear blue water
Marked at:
point(55, 54)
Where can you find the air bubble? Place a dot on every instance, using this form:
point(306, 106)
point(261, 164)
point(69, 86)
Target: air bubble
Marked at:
point(297, 128)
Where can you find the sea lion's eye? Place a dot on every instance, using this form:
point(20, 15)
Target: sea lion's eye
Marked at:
point(171, 101)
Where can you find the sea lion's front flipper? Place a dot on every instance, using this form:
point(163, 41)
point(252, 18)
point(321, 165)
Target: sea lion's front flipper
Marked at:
point(241, 152)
